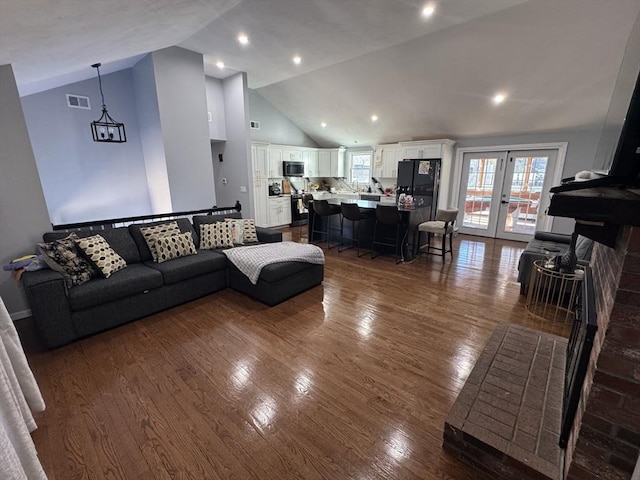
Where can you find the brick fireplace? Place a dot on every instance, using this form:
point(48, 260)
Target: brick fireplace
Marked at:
point(608, 417)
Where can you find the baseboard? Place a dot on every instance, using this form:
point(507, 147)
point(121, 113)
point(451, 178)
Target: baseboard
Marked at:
point(20, 315)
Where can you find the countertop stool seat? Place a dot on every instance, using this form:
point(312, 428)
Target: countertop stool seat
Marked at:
point(444, 225)
point(306, 198)
point(322, 208)
point(387, 216)
point(353, 213)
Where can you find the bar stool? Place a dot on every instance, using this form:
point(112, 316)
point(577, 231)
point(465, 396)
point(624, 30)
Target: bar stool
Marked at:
point(444, 225)
point(352, 212)
point(387, 215)
point(306, 198)
point(323, 208)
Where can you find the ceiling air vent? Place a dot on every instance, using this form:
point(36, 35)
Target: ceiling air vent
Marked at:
point(255, 125)
point(78, 101)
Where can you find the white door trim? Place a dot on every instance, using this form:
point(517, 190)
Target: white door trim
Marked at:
point(543, 223)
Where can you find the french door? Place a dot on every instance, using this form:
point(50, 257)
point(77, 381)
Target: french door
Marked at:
point(502, 192)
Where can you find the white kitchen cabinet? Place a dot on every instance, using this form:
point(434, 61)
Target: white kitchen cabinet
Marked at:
point(337, 162)
point(260, 169)
point(276, 155)
point(324, 163)
point(310, 159)
point(385, 164)
point(292, 154)
point(430, 149)
point(279, 211)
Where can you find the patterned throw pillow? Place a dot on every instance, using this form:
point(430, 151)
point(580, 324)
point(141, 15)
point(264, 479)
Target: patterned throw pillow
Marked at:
point(101, 256)
point(216, 235)
point(249, 232)
point(150, 235)
point(62, 256)
point(175, 246)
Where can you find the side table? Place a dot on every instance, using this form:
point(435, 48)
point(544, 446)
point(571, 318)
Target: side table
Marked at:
point(552, 294)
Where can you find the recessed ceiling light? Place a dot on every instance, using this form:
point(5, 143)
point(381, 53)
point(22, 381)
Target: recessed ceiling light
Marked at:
point(297, 60)
point(323, 124)
point(374, 118)
point(220, 64)
point(499, 98)
point(243, 39)
point(428, 11)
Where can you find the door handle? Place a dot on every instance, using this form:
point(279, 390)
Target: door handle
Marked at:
point(503, 202)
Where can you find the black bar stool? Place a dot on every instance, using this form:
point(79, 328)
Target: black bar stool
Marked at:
point(352, 212)
point(387, 215)
point(323, 208)
point(306, 198)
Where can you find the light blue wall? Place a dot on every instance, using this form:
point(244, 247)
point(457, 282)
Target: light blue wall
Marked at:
point(23, 212)
point(274, 126)
point(144, 84)
point(215, 106)
point(85, 180)
point(236, 150)
point(182, 104)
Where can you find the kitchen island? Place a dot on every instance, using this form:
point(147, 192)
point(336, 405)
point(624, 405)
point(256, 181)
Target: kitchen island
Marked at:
point(411, 218)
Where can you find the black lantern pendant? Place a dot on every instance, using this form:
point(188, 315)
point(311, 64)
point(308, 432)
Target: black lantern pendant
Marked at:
point(106, 129)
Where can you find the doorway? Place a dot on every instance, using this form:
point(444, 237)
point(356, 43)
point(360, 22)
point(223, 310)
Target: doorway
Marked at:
point(502, 192)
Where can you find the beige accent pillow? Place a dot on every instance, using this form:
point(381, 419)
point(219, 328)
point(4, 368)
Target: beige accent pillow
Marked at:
point(151, 233)
point(216, 235)
point(98, 252)
point(175, 246)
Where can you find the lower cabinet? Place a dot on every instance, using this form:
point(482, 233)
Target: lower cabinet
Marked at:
point(279, 211)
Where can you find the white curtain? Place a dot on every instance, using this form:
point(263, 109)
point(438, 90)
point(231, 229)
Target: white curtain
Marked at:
point(19, 396)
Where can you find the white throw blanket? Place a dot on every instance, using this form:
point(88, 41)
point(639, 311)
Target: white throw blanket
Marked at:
point(251, 259)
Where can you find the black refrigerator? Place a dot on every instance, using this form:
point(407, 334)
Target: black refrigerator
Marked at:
point(420, 178)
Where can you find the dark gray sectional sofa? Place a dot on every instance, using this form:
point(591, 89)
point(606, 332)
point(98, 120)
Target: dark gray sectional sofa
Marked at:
point(144, 287)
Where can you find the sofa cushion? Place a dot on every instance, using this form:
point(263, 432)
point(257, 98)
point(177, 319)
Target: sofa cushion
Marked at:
point(206, 219)
point(118, 238)
point(62, 256)
point(174, 246)
point(100, 255)
point(216, 235)
point(134, 279)
point(145, 254)
point(277, 271)
point(184, 268)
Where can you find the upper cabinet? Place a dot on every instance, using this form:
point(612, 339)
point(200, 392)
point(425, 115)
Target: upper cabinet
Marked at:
point(292, 154)
point(276, 155)
point(324, 163)
point(310, 159)
point(431, 149)
point(385, 161)
point(337, 156)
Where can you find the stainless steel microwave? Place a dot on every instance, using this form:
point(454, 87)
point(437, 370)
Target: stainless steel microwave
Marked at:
point(293, 169)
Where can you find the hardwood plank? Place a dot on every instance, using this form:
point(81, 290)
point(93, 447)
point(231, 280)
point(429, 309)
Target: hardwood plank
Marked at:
point(352, 379)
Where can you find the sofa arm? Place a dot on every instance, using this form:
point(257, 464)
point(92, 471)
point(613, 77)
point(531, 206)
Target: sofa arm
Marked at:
point(47, 297)
point(268, 235)
point(553, 237)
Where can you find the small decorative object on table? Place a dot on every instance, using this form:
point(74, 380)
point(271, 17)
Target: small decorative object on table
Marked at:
point(566, 263)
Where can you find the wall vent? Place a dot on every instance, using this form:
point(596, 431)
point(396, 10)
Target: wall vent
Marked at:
point(78, 101)
point(255, 125)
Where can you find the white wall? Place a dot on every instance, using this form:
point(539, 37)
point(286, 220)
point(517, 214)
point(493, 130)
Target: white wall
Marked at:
point(85, 180)
point(23, 212)
point(182, 103)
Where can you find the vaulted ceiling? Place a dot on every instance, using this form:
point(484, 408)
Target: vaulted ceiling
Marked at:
point(556, 61)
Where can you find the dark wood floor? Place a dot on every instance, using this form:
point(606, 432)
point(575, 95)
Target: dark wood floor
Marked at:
point(352, 379)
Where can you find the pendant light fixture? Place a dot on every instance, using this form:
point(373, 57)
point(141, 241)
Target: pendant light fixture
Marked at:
point(106, 129)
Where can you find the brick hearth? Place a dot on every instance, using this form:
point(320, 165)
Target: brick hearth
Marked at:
point(507, 417)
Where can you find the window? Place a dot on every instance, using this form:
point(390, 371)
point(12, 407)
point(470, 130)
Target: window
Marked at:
point(360, 167)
